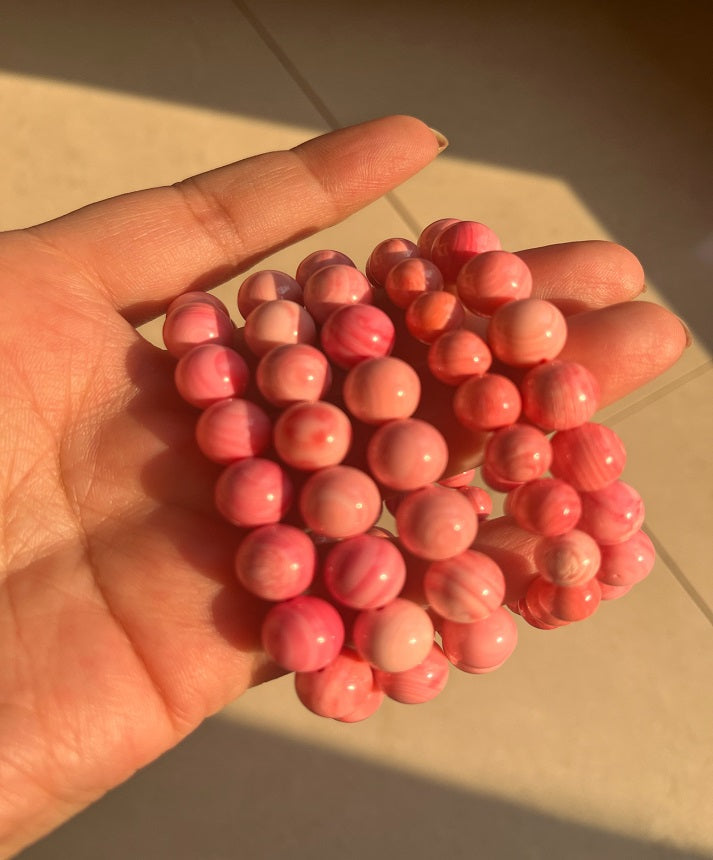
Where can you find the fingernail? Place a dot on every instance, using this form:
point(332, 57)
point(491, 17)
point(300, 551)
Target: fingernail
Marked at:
point(441, 138)
point(689, 333)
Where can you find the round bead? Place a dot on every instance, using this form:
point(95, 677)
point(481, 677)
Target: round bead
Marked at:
point(428, 235)
point(232, 430)
point(354, 333)
point(319, 260)
point(293, 372)
point(410, 279)
point(526, 332)
point(495, 482)
point(546, 506)
point(303, 634)
point(419, 684)
point(626, 563)
point(563, 602)
point(559, 395)
point(613, 514)
point(339, 689)
point(407, 454)
point(364, 572)
point(518, 453)
point(369, 705)
point(382, 389)
point(275, 323)
point(433, 313)
point(613, 592)
point(385, 256)
point(194, 323)
point(253, 492)
point(340, 502)
point(266, 286)
point(589, 457)
point(198, 297)
point(569, 559)
point(480, 500)
point(513, 549)
point(457, 244)
point(395, 637)
point(436, 522)
point(492, 279)
point(312, 435)
point(487, 402)
point(210, 372)
point(457, 355)
point(276, 562)
point(482, 646)
point(333, 286)
point(462, 479)
point(465, 587)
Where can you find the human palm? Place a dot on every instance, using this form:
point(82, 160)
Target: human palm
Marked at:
point(121, 624)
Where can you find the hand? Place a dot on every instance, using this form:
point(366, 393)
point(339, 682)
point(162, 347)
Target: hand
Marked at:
point(121, 624)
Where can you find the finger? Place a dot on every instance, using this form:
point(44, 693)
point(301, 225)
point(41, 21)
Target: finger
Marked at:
point(146, 247)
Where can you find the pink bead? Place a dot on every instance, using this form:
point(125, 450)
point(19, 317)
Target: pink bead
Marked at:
point(563, 602)
point(569, 559)
point(276, 562)
point(480, 500)
point(369, 706)
point(194, 323)
point(395, 637)
point(210, 372)
point(339, 689)
point(419, 684)
point(385, 256)
point(364, 572)
point(433, 313)
point(462, 479)
point(589, 457)
point(303, 634)
point(559, 395)
point(312, 435)
point(410, 279)
point(266, 286)
point(465, 587)
point(436, 522)
point(382, 389)
point(430, 233)
point(613, 514)
point(354, 333)
point(457, 244)
point(626, 563)
point(457, 355)
point(333, 286)
point(319, 260)
point(492, 279)
point(613, 592)
point(232, 430)
point(487, 402)
point(293, 372)
point(512, 549)
point(546, 506)
point(518, 453)
point(253, 492)
point(275, 323)
point(495, 482)
point(407, 454)
point(526, 332)
point(525, 612)
point(198, 297)
point(340, 502)
point(482, 646)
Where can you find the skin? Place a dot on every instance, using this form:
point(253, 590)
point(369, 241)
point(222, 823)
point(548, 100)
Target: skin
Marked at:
point(122, 626)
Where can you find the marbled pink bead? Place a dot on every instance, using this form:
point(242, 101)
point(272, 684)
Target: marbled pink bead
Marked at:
point(613, 514)
point(626, 563)
point(333, 286)
point(518, 453)
point(395, 637)
point(340, 502)
point(266, 286)
point(253, 492)
point(462, 479)
point(481, 646)
point(210, 372)
point(569, 559)
point(546, 506)
point(385, 256)
point(278, 322)
point(410, 279)
point(559, 395)
point(563, 602)
point(487, 402)
point(293, 372)
point(312, 435)
point(457, 244)
point(419, 684)
point(613, 592)
point(495, 482)
point(492, 279)
point(480, 500)
point(588, 457)
point(526, 332)
point(381, 389)
point(232, 430)
point(465, 587)
point(368, 707)
point(407, 454)
point(337, 690)
point(194, 323)
point(457, 355)
point(276, 562)
point(354, 333)
point(523, 609)
point(436, 522)
point(303, 634)
point(319, 260)
point(432, 314)
point(198, 297)
point(428, 235)
point(364, 572)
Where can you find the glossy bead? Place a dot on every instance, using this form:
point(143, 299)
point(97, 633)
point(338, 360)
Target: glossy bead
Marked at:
point(457, 355)
point(410, 279)
point(210, 372)
point(364, 572)
point(480, 500)
point(303, 634)
point(266, 286)
point(613, 514)
point(395, 637)
point(385, 256)
point(319, 260)
point(495, 482)
point(564, 602)
point(198, 297)
point(436, 522)
point(232, 430)
point(433, 313)
point(354, 333)
point(518, 453)
point(524, 610)
point(462, 479)
point(312, 435)
point(457, 244)
point(465, 587)
point(275, 323)
point(292, 373)
point(428, 235)
point(589, 457)
point(569, 559)
point(487, 402)
point(407, 454)
point(340, 502)
point(546, 506)
point(194, 323)
point(337, 690)
point(613, 592)
point(526, 332)
point(369, 706)
point(276, 562)
point(333, 286)
point(253, 492)
point(492, 279)
point(559, 395)
point(626, 563)
point(382, 389)
point(482, 646)
point(419, 684)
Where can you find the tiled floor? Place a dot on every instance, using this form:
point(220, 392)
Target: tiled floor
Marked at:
point(594, 741)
